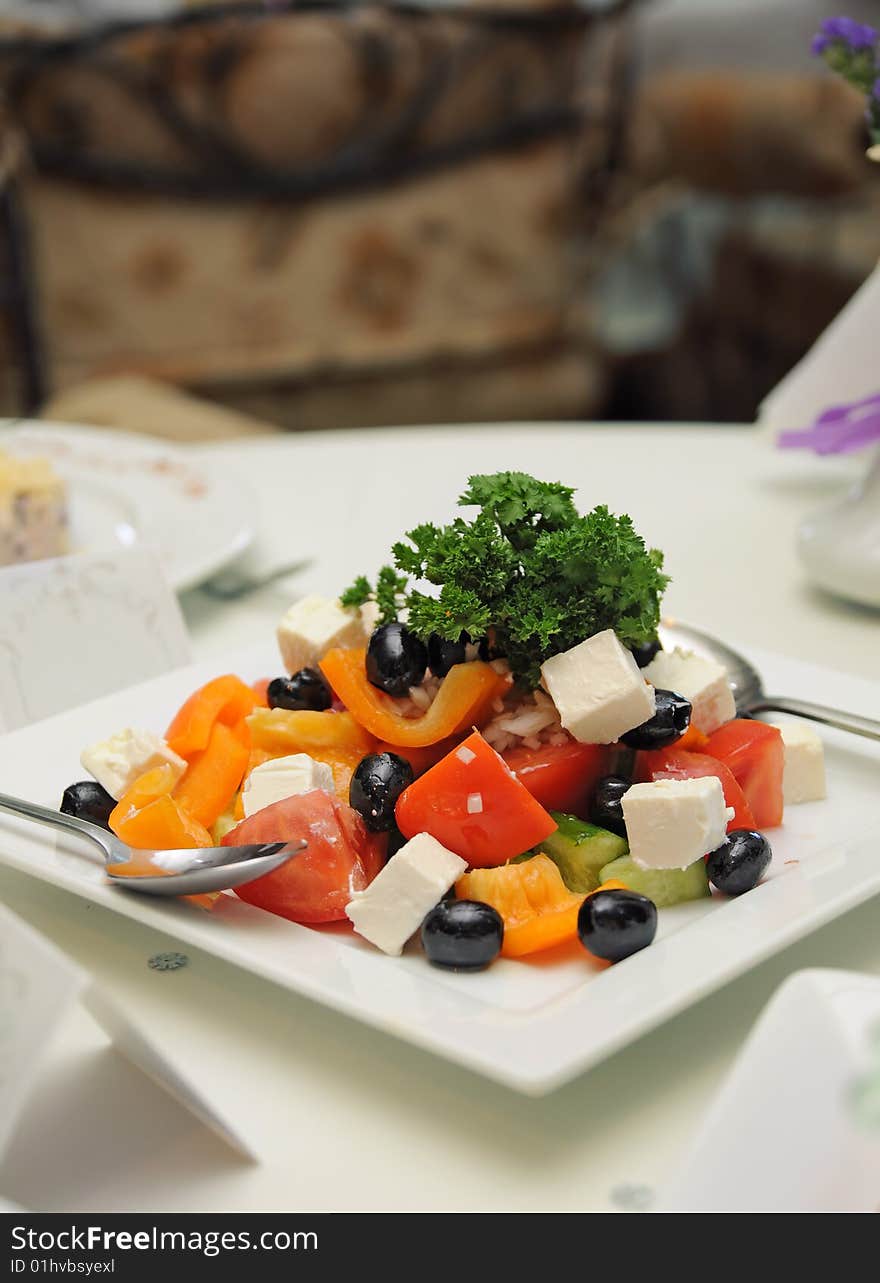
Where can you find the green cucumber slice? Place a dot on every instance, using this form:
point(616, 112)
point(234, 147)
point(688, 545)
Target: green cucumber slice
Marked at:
point(579, 850)
point(664, 886)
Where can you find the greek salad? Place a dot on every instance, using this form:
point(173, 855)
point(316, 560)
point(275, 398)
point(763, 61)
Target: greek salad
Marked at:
point(484, 746)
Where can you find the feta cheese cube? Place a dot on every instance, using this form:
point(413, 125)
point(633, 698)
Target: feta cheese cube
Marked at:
point(395, 903)
point(598, 689)
point(803, 778)
point(118, 761)
point(282, 777)
point(672, 823)
point(312, 626)
point(701, 681)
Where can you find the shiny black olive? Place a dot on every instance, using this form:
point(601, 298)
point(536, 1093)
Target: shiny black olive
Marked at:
point(377, 783)
point(88, 800)
point(488, 650)
point(304, 690)
point(645, 653)
point(615, 924)
point(444, 654)
point(605, 807)
point(740, 862)
point(462, 935)
point(672, 717)
point(396, 659)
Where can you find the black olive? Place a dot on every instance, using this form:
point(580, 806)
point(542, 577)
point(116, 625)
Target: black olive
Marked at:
point(88, 800)
point(304, 690)
point(462, 935)
point(396, 659)
point(605, 807)
point(740, 862)
point(444, 654)
point(672, 717)
point(615, 924)
point(377, 783)
point(645, 653)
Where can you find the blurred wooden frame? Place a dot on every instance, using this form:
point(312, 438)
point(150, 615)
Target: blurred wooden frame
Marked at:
point(443, 231)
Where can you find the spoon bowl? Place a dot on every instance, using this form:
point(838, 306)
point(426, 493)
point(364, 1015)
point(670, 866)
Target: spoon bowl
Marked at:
point(195, 871)
point(748, 687)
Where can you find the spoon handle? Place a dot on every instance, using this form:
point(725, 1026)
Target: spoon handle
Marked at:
point(56, 820)
point(818, 713)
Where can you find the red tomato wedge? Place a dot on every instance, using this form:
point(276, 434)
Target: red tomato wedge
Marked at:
point(561, 777)
point(316, 885)
point(679, 764)
point(755, 755)
point(474, 805)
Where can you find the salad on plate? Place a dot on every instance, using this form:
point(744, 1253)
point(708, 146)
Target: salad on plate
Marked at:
point(484, 746)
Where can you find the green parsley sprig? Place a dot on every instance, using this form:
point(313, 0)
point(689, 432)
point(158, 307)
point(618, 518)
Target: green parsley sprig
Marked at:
point(528, 570)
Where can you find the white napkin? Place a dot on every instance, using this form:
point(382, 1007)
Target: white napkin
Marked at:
point(74, 628)
point(843, 365)
point(38, 984)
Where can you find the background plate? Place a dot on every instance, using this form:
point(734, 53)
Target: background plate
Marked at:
point(796, 1126)
point(531, 1026)
point(126, 489)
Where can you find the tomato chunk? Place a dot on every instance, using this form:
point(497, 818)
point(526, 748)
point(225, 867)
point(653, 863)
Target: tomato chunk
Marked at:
point(316, 885)
point(755, 755)
point(474, 805)
point(678, 764)
point(561, 777)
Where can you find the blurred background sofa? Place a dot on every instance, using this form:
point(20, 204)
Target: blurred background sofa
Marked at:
point(331, 215)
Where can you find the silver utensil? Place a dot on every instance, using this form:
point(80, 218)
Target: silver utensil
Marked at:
point(231, 585)
point(188, 872)
point(748, 688)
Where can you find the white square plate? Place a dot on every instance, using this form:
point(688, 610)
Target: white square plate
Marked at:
point(796, 1126)
point(532, 1025)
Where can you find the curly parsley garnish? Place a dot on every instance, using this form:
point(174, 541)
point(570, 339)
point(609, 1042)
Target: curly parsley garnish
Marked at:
point(528, 570)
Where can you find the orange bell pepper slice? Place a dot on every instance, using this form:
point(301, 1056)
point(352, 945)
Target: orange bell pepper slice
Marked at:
point(147, 788)
point(213, 775)
point(225, 699)
point(693, 741)
point(463, 700)
point(538, 909)
point(261, 689)
point(162, 825)
point(333, 738)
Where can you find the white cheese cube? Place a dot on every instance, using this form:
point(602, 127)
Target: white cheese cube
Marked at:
point(282, 777)
point(803, 778)
point(118, 761)
point(598, 689)
point(395, 903)
point(312, 626)
point(672, 823)
point(701, 681)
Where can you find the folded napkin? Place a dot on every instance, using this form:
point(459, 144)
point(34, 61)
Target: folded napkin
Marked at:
point(842, 368)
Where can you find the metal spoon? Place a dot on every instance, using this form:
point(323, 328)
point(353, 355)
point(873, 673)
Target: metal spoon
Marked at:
point(188, 872)
point(748, 688)
point(232, 585)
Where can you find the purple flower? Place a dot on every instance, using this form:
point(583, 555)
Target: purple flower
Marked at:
point(857, 35)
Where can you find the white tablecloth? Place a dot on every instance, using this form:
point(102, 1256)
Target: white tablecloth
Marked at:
point(346, 1118)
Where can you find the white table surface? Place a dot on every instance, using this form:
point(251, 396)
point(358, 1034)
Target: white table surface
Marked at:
point(342, 1116)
